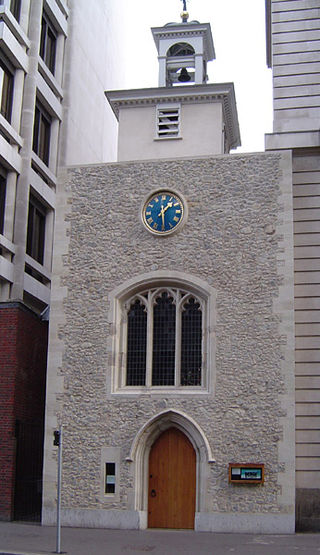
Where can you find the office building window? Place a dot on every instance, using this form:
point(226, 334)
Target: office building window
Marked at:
point(2, 198)
point(36, 229)
point(6, 88)
point(15, 8)
point(41, 133)
point(48, 43)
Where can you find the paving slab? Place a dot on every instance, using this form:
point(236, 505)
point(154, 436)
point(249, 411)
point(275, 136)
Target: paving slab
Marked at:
point(28, 539)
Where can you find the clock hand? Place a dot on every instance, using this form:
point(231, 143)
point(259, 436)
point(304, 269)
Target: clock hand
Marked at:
point(162, 216)
point(163, 210)
point(169, 205)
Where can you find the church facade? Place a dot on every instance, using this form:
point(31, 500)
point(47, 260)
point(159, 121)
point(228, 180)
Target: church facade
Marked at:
point(229, 266)
point(171, 354)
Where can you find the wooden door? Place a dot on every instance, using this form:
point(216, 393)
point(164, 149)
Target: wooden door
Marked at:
point(172, 481)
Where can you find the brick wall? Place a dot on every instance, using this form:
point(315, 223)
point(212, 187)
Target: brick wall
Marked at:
point(23, 351)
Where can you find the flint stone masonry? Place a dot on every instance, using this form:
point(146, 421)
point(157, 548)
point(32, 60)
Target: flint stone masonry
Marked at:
point(237, 239)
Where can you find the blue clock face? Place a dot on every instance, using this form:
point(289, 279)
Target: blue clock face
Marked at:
point(163, 212)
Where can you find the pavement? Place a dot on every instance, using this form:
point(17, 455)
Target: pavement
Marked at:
point(33, 539)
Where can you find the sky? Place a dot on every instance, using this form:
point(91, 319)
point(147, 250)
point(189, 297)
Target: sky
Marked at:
point(238, 29)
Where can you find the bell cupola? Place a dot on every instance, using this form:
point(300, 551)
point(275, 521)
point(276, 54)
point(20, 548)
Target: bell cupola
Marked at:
point(183, 51)
point(185, 115)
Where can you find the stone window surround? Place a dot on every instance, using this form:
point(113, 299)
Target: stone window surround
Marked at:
point(117, 342)
point(110, 455)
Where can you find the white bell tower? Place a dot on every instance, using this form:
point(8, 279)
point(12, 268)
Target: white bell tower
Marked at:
point(185, 115)
point(183, 51)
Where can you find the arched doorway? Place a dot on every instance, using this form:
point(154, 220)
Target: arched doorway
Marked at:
point(172, 481)
point(142, 444)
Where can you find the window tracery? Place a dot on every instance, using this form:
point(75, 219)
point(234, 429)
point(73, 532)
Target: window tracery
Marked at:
point(164, 338)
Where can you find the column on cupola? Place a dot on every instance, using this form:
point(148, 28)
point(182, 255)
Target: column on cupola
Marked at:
point(199, 74)
point(162, 70)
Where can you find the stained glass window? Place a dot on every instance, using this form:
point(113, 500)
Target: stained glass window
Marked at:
point(191, 341)
point(137, 344)
point(164, 339)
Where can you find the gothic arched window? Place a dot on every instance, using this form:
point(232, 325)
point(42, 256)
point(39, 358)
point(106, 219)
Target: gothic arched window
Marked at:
point(164, 338)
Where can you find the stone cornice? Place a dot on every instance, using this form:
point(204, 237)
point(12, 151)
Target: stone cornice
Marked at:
point(189, 94)
point(180, 30)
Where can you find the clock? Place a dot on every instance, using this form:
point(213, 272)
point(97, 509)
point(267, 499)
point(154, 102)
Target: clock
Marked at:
point(163, 212)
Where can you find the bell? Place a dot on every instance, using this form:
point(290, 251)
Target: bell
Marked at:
point(184, 76)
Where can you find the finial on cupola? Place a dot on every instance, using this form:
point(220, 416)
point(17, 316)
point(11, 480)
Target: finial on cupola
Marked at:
point(184, 14)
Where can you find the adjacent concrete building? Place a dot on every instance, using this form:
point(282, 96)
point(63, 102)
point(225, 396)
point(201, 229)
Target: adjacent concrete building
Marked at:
point(294, 55)
point(55, 64)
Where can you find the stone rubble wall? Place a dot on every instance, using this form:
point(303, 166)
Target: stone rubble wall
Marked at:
point(238, 239)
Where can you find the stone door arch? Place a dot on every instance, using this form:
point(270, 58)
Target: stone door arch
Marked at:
point(140, 450)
